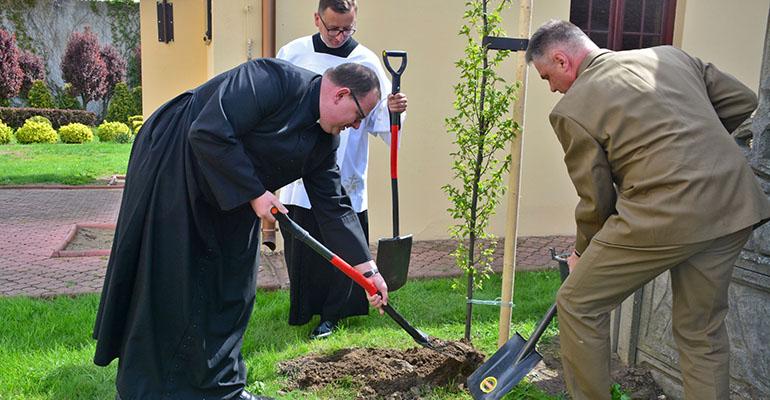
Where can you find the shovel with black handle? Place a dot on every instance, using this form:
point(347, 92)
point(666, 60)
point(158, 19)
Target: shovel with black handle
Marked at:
point(298, 232)
point(393, 254)
point(515, 359)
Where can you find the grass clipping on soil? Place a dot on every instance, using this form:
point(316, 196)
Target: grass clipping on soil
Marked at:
point(385, 373)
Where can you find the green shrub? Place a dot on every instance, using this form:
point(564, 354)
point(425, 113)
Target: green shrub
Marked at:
point(36, 132)
point(108, 131)
point(39, 118)
point(136, 93)
point(124, 137)
point(39, 96)
point(135, 122)
point(65, 100)
point(6, 133)
point(121, 104)
point(76, 133)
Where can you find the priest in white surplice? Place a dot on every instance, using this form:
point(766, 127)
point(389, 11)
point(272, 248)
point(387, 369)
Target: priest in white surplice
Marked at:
point(316, 287)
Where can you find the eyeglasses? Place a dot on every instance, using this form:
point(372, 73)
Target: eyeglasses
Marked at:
point(334, 32)
point(361, 114)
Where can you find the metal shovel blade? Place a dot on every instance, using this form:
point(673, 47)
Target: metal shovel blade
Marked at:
point(393, 256)
point(498, 375)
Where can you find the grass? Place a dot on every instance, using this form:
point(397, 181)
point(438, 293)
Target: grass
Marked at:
point(69, 164)
point(46, 350)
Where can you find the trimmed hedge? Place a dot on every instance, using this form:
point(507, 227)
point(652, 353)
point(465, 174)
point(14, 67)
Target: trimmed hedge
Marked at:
point(6, 133)
point(36, 132)
point(110, 131)
point(135, 122)
point(75, 133)
point(39, 118)
point(15, 117)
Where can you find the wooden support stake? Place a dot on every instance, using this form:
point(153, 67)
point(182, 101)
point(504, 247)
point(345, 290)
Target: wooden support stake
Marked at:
point(514, 182)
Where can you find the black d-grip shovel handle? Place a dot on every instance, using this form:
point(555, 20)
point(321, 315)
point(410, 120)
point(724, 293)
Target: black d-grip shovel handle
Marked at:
point(395, 118)
point(301, 234)
point(395, 127)
point(386, 54)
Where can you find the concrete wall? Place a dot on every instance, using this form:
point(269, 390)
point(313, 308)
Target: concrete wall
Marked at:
point(50, 23)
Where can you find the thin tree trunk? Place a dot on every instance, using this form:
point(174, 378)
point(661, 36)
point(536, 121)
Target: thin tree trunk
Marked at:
point(476, 178)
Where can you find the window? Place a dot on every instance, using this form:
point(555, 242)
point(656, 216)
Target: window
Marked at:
point(625, 24)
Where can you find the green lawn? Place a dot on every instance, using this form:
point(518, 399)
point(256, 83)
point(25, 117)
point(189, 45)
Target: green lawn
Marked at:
point(70, 164)
point(46, 350)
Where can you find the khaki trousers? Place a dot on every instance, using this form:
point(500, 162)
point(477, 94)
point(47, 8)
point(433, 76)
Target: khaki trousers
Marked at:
point(607, 273)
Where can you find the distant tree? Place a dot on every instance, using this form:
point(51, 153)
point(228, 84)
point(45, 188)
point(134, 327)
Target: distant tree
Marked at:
point(66, 100)
point(39, 96)
point(83, 67)
point(33, 68)
point(116, 68)
point(121, 105)
point(136, 93)
point(134, 73)
point(10, 71)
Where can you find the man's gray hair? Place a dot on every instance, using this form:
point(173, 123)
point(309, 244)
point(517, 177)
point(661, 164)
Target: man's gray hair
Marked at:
point(338, 6)
point(359, 79)
point(553, 32)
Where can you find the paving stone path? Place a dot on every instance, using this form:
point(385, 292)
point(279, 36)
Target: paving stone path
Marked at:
point(34, 223)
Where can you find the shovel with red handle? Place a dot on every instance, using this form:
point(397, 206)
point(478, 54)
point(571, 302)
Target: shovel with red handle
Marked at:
point(393, 254)
point(299, 233)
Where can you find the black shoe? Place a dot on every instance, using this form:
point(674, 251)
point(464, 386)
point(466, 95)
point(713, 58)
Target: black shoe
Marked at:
point(324, 329)
point(245, 395)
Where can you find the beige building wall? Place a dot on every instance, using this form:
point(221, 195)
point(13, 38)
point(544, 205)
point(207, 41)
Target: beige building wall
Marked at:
point(427, 30)
point(171, 68)
point(736, 46)
point(237, 34)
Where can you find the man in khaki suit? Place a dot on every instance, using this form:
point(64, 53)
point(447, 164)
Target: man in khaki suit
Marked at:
point(662, 186)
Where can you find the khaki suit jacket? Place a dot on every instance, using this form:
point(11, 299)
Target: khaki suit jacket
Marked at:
point(647, 146)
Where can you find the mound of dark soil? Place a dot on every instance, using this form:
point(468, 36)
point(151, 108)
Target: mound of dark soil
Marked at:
point(407, 374)
point(386, 373)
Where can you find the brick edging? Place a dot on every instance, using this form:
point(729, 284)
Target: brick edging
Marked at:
point(60, 252)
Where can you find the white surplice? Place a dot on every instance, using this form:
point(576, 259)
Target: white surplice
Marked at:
point(353, 152)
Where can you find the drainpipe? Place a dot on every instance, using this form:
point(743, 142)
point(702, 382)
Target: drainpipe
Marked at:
point(268, 28)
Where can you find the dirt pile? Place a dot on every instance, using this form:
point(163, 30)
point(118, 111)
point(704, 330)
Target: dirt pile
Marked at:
point(386, 373)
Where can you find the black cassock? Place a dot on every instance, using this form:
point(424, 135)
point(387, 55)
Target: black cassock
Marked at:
point(180, 282)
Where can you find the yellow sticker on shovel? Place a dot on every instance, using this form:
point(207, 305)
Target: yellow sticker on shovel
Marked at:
point(488, 384)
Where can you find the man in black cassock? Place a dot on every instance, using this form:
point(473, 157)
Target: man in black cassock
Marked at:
point(181, 278)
